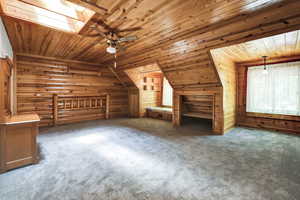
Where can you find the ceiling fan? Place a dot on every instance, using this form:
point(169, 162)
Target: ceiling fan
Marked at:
point(113, 40)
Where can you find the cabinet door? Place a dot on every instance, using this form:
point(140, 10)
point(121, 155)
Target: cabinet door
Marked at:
point(20, 145)
point(133, 104)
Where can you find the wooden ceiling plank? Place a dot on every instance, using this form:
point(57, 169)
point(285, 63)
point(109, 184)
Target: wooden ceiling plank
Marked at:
point(58, 59)
point(273, 50)
point(57, 9)
point(87, 24)
point(206, 30)
point(1, 7)
point(168, 22)
point(17, 9)
point(125, 11)
point(90, 6)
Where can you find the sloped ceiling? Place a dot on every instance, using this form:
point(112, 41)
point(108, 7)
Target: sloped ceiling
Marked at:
point(163, 23)
point(59, 14)
point(282, 45)
point(40, 40)
point(176, 34)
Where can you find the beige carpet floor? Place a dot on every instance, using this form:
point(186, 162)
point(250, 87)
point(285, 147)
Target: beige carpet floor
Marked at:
point(136, 159)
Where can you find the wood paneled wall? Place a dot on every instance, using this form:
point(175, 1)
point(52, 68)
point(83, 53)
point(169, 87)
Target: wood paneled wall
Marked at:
point(142, 77)
point(40, 78)
point(227, 72)
point(152, 89)
point(267, 121)
point(185, 58)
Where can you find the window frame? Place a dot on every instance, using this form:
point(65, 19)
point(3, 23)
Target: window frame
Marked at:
point(162, 93)
point(245, 87)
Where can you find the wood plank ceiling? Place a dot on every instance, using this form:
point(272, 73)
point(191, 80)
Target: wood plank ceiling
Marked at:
point(177, 34)
point(282, 45)
point(58, 14)
point(161, 21)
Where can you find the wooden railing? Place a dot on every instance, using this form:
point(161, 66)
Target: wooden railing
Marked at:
point(78, 108)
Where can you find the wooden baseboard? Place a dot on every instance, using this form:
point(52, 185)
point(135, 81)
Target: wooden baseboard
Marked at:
point(279, 130)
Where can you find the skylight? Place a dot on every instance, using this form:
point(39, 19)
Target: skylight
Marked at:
point(58, 14)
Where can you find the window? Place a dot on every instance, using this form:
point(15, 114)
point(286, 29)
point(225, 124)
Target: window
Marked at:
point(167, 93)
point(274, 92)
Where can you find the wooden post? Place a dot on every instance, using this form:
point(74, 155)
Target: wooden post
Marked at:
point(177, 110)
point(2, 91)
point(13, 89)
point(213, 112)
point(107, 106)
point(55, 109)
point(5, 89)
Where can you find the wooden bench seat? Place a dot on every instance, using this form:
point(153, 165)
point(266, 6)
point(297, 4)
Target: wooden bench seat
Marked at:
point(163, 113)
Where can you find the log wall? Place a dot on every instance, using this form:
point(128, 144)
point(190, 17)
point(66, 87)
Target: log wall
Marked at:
point(38, 79)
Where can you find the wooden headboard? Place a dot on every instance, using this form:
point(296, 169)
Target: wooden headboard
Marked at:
point(68, 109)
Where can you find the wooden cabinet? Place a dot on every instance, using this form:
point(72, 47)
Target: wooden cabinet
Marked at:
point(18, 141)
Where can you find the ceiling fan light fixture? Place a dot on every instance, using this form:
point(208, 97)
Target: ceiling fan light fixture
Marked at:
point(111, 50)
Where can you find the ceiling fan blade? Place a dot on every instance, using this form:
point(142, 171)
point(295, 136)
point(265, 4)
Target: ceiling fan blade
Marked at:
point(92, 35)
point(120, 48)
point(129, 30)
point(103, 25)
point(127, 38)
point(95, 27)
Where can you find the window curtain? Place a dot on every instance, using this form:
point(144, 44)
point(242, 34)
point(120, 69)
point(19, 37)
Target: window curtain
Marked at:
point(274, 92)
point(167, 93)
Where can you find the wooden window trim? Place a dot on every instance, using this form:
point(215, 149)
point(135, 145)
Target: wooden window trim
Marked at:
point(273, 116)
point(266, 115)
point(162, 93)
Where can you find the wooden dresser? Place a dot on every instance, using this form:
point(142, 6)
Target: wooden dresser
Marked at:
point(18, 141)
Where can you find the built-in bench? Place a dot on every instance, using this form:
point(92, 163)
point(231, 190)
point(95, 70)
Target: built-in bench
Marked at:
point(164, 113)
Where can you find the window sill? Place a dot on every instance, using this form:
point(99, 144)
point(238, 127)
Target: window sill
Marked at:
point(273, 116)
